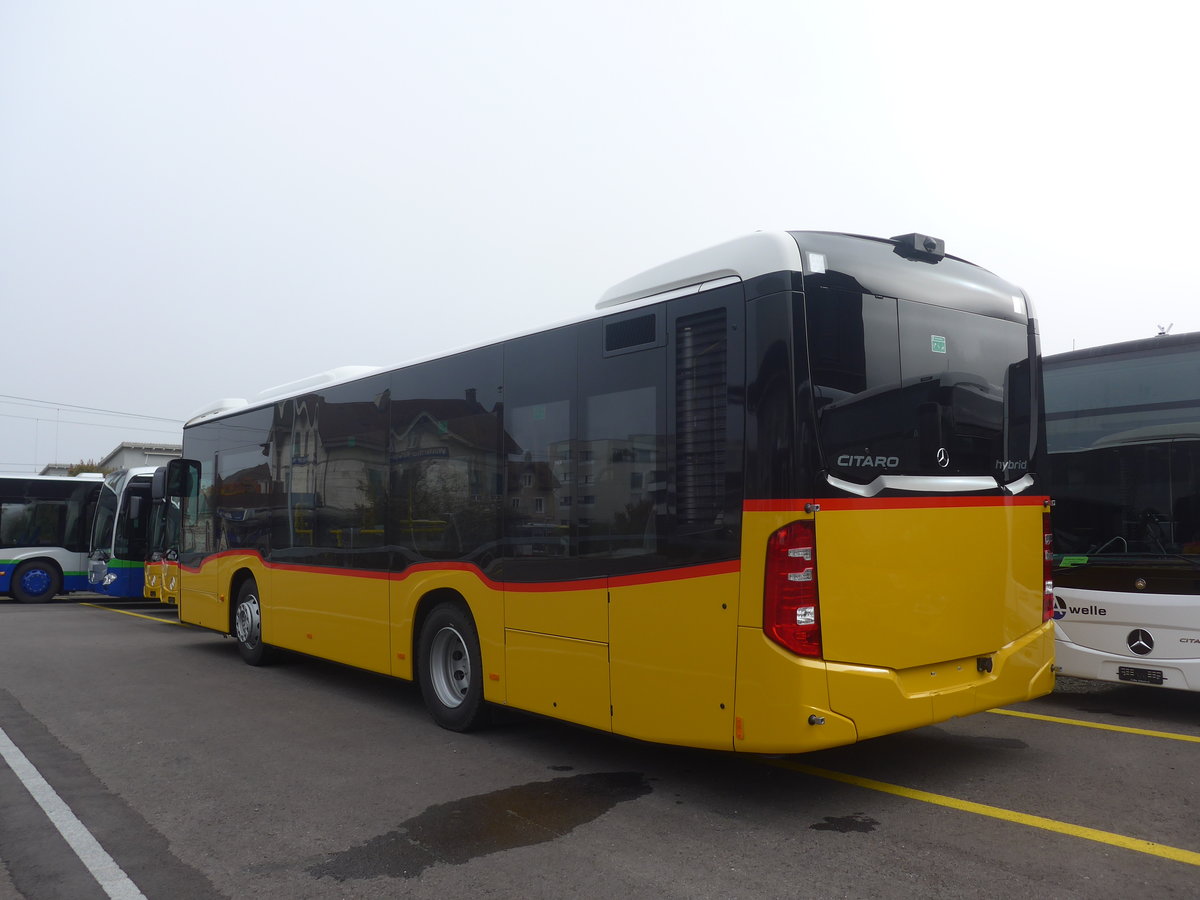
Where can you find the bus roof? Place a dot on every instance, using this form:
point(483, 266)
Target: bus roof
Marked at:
point(1141, 345)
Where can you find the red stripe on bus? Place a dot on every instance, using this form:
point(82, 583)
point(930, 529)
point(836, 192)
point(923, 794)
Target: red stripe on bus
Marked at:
point(928, 502)
point(525, 587)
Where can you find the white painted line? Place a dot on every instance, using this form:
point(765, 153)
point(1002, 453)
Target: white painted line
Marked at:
point(104, 869)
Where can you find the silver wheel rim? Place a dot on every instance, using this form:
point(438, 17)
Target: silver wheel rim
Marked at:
point(449, 667)
point(248, 621)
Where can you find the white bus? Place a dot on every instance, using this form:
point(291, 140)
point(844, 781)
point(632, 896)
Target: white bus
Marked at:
point(44, 534)
point(120, 540)
point(1123, 431)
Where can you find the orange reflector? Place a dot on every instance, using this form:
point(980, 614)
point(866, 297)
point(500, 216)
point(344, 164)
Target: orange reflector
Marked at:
point(493, 676)
point(737, 728)
point(399, 656)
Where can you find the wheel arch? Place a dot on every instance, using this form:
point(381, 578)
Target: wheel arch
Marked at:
point(429, 602)
point(239, 577)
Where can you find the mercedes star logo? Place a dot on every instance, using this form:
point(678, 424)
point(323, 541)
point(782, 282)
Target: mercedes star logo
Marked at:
point(943, 458)
point(1140, 641)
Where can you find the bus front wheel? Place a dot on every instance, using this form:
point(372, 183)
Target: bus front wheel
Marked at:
point(450, 669)
point(247, 626)
point(35, 581)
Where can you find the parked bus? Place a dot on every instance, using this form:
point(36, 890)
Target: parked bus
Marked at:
point(120, 539)
point(778, 495)
point(44, 534)
point(1123, 430)
point(162, 563)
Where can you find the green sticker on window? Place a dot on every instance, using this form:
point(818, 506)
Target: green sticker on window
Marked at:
point(937, 343)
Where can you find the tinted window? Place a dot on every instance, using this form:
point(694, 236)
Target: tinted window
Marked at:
point(45, 513)
point(542, 469)
point(616, 486)
point(247, 485)
point(773, 459)
point(1124, 439)
point(444, 473)
point(901, 387)
point(1111, 400)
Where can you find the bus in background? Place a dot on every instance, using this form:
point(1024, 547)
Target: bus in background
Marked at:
point(778, 495)
point(44, 534)
point(162, 563)
point(1123, 431)
point(120, 538)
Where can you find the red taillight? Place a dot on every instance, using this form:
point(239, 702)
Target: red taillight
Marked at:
point(791, 610)
point(1047, 568)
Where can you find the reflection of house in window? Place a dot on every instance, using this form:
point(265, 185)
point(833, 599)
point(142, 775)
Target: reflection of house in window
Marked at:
point(445, 482)
point(535, 483)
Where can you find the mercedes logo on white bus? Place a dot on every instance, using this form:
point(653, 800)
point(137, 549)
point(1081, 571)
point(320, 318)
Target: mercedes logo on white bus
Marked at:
point(943, 457)
point(1140, 641)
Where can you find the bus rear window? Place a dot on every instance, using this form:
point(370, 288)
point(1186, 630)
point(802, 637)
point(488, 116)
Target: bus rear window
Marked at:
point(908, 388)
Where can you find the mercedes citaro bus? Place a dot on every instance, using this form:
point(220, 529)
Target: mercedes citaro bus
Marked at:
point(1123, 431)
point(777, 495)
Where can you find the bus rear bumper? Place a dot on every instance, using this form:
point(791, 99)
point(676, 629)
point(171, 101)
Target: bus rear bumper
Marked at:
point(788, 704)
point(1077, 661)
point(885, 701)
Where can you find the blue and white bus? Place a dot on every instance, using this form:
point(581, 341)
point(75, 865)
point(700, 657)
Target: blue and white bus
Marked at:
point(44, 534)
point(121, 530)
point(1123, 430)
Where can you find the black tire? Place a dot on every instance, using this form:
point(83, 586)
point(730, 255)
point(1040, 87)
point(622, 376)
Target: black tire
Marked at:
point(247, 626)
point(36, 581)
point(450, 668)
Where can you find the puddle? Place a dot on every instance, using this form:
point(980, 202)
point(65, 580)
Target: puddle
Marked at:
point(846, 824)
point(457, 832)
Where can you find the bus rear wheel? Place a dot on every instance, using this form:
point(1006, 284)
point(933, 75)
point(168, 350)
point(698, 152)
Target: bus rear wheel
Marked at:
point(450, 668)
point(247, 626)
point(35, 581)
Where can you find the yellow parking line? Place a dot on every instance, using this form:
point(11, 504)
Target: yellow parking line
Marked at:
point(981, 809)
point(126, 612)
point(1169, 735)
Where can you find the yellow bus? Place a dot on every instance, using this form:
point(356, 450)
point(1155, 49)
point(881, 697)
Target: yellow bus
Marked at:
point(778, 495)
point(162, 565)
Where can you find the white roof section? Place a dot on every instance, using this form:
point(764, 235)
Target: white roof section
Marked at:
point(320, 380)
point(216, 408)
point(737, 260)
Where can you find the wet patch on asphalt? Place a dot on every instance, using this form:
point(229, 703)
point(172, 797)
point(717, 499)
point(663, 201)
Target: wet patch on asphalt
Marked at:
point(462, 830)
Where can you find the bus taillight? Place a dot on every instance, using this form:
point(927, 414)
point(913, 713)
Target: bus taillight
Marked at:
point(1047, 569)
point(791, 610)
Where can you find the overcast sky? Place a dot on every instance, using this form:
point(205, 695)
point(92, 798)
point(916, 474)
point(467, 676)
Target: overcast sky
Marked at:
point(205, 199)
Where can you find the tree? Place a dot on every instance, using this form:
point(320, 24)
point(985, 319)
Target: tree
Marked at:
point(86, 466)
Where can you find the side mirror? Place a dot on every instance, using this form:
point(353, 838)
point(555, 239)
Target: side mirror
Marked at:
point(158, 484)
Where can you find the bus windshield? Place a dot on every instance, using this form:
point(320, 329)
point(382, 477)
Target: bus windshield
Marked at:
point(908, 388)
point(106, 517)
point(1123, 432)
